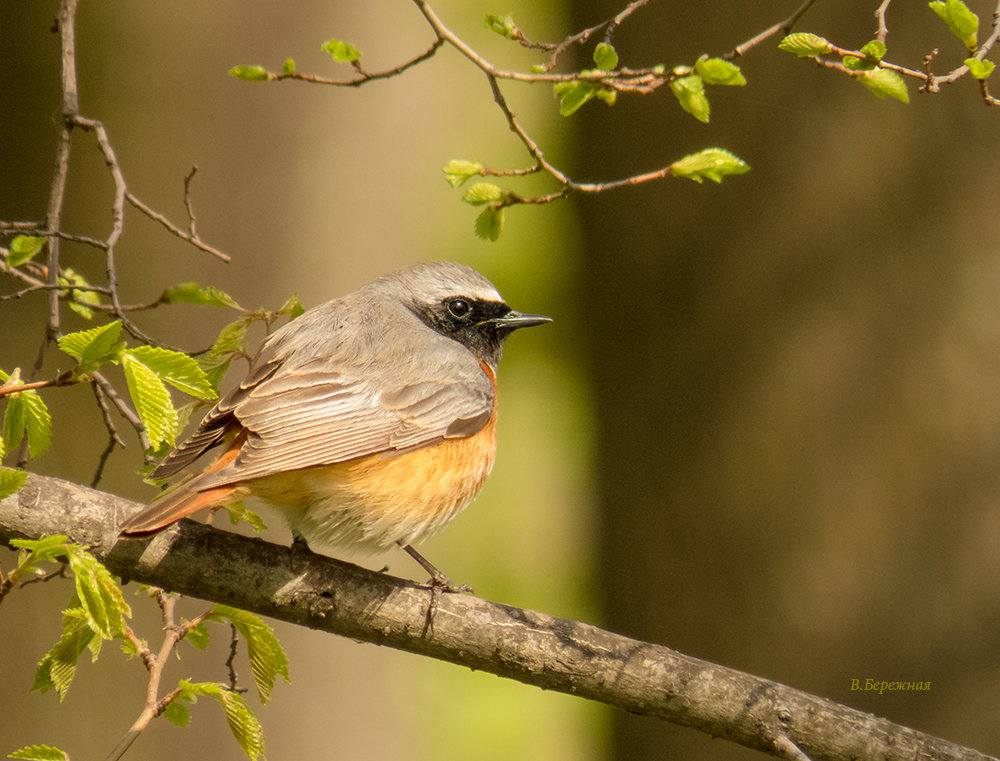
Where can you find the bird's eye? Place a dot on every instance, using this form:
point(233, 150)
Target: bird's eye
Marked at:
point(459, 308)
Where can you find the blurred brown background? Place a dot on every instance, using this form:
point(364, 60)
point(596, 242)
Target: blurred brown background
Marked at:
point(763, 429)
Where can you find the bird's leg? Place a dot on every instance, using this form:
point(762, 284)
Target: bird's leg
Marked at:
point(438, 579)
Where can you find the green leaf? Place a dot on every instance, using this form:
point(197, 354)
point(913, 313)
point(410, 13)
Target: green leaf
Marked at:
point(606, 57)
point(152, 401)
point(57, 667)
point(251, 73)
point(606, 94)
point(340, 51)
point(502, 25)
point(23, 248)
point(885, 84)
point(239, 512)
point(804, 44)
point(489, 223)
point(963, 23)
point(39, 753)
point(980, 69)
point(93, 347)
point(80, 301)
point(231, 339)
point(26, 413)
point(242, 722)
point(292, 307)
point(288, 67)
point(857, 64)
point(458, 171)
point(717, 71)
point(711, 163)
point(572, 95)
point(179, 370)
point(690, 93)
point(177, 713)
point(267, 658)
point(192, 293)
point(43, 550)
point(483, 192)
point(198, 636)
point(875, 49)
point(11, 480)
point(99, 594)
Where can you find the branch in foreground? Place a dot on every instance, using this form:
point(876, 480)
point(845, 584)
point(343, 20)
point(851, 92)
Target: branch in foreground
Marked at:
point(534, 648)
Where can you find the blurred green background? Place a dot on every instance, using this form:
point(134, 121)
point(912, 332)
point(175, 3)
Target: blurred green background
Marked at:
point(763, 429)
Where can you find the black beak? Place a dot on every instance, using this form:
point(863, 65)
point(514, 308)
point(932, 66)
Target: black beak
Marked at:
point(514, 320)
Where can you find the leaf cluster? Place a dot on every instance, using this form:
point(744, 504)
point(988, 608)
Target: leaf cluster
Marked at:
point(98, 612)
point(886, 80)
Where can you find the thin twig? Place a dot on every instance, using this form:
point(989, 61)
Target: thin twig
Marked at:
point(113, 437)
point(785, 27)
point(881, 30)
point(123, 409)
point(154, 704)
point(174, 229)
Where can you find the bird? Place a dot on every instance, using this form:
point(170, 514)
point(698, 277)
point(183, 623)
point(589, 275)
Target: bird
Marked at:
point(369, 421)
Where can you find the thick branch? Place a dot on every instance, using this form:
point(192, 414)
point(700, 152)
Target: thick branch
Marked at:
point(534, 648)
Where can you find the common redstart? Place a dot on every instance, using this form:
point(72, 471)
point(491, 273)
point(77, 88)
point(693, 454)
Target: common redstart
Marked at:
point(369, 421)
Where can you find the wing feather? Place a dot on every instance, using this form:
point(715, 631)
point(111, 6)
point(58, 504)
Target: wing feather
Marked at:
point(317, 395)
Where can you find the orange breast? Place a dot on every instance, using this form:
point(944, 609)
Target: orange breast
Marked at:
point(383, 499)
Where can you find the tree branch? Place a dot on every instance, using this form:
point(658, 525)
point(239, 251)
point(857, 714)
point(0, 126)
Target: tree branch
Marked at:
point(534, 648)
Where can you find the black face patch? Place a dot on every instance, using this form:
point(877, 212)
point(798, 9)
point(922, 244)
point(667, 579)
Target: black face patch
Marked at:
point(470, 321)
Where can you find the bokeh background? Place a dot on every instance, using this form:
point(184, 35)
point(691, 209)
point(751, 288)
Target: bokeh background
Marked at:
point(763, 429)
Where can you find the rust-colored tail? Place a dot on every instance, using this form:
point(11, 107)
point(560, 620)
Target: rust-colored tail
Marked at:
point(174, 506)
point(185, 499)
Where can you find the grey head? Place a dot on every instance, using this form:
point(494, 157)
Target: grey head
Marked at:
point(460, 304)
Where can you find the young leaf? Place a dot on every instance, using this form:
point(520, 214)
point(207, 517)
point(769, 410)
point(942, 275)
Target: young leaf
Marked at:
point(340, 51)
point(858, 64)
point(980, 69)
point(192, 293)
point(43, 550)
point(606, 57)
point(80, 301)
point(23, 248)
point(483, 192)
point(177, 713)
point(39, 753)
point(242, 722)
point(250, 73)
point(502, 25)
point(457, 171)
point(874, 49)
point(216, 360)
point(804, 44)
point(288, 67)
point(100, 596)
point(26, 413)
point(93, 347)
point(885, 84)
point(572, 95)
point(267, 658)
point(292, 307)
point(690, 93)
point(239, 512)
point(713, 163)
point(179, 370)
point(963, 23)
point(11, 480)
point(57, 667)
point(198, 636)
point(489, 223)
point(152, 401)
point(717, 71)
